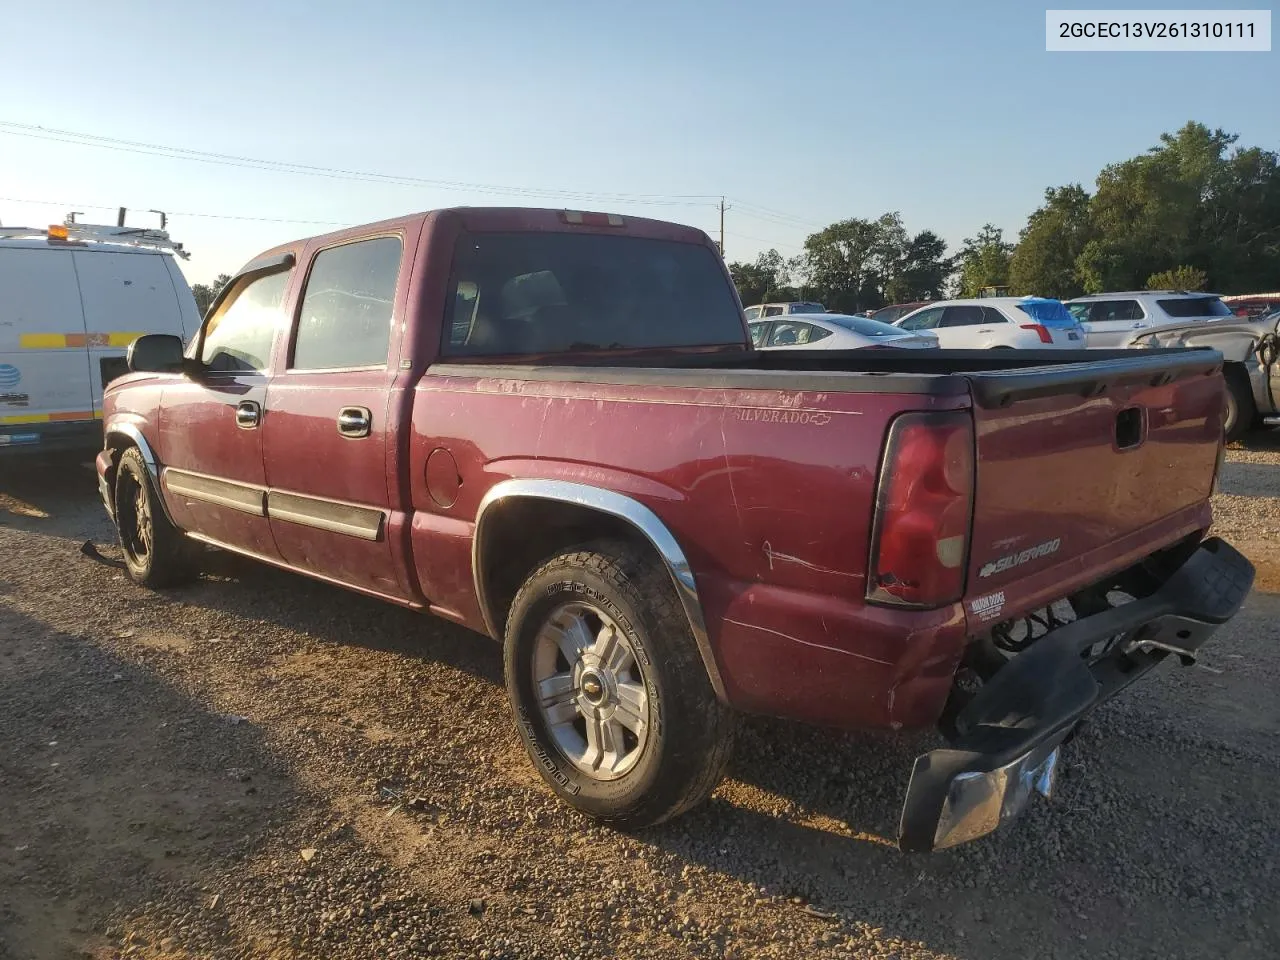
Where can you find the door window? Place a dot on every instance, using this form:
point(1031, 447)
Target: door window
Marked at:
point(924, 320)
point(790, 334)
point(773, 311)
point(992, 315)
point(238, 338)
point(1101, 311)
point(758, 332)
point(752, 313)
point(962, 316)
point(345, 320)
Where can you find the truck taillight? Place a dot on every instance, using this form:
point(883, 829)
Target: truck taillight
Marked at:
point(924, 505)
point(1041, 331)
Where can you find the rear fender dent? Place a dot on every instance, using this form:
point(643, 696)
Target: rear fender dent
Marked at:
point(612, 504)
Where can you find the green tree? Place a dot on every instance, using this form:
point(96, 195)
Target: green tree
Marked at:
point(764, 280)
point(923, 271)
point(984, 261)
point(849, 264)
point(1192, 200)
point(1179, 278)
point(1044, 263)
point(204, 293)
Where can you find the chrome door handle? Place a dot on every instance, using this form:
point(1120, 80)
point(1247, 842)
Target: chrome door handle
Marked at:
point(248, 415)
point(354, 421)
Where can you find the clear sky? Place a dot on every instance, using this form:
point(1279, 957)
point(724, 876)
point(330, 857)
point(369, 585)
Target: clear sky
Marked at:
point(949, 112)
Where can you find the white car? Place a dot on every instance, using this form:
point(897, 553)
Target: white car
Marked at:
point(1111, 319)
point(73, 297)
point(832, 331)
point(1026, 323)
point(763, 310)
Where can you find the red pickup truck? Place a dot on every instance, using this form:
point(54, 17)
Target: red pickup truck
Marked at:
point(551, 427)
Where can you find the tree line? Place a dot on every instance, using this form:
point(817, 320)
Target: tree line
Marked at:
point(205, 292)
point(1195, 212)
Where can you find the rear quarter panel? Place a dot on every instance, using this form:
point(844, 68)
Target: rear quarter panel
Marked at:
point(769, 492)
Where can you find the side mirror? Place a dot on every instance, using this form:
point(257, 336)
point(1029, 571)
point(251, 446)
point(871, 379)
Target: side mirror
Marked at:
point(156, 353)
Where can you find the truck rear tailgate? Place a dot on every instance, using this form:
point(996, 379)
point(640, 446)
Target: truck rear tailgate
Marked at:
point(1082, 460)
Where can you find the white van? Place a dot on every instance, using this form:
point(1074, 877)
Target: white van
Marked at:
point(72, 299)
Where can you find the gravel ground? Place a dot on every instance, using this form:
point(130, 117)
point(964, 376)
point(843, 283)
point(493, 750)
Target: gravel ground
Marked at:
point(260, 766)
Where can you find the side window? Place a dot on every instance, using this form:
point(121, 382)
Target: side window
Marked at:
point(992, 315)
point(345, 320)
point(773, 311)
point(753, 313)
point(789, 334)
point(238, 338)
point(967, 315)
point(924, 320)
point(1101, 311)
point(818, 333)
point(758, 331)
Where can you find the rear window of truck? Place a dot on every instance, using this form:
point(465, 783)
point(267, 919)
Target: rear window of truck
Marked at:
point(533, 293)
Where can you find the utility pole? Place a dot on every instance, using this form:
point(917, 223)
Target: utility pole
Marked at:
point(722, 226)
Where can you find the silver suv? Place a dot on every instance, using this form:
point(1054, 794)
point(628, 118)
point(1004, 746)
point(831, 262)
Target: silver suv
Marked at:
point(1110, 319)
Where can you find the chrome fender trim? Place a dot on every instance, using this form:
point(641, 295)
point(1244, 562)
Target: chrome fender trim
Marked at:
point(135, 437)
point(644, 520)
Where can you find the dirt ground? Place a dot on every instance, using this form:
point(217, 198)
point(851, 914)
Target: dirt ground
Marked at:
point(261, 766)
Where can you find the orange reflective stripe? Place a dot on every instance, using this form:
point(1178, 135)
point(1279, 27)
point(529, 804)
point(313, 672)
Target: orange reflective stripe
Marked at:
point(62, 341)
point(57, 417)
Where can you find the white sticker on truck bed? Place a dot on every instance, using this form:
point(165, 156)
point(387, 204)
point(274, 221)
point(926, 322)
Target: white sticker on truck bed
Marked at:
point(988, 607)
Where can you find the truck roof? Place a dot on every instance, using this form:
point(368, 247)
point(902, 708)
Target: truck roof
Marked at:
point(516, 219)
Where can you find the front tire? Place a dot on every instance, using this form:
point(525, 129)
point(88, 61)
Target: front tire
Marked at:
point(1241, 412)
point(609, 691)
point(156, 554)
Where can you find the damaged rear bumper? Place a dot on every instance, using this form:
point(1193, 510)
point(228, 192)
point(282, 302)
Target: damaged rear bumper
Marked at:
point(1012, 731)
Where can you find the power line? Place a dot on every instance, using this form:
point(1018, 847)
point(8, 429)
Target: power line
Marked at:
point(31, 131)
point(768, 214)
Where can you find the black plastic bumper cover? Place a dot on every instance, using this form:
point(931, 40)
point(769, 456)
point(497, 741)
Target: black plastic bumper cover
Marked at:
point(1011, 729)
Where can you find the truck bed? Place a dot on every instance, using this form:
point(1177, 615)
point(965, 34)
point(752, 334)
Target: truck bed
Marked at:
point(995, 377)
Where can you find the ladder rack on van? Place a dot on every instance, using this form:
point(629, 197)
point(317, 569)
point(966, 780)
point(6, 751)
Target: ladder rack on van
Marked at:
point(98, 233)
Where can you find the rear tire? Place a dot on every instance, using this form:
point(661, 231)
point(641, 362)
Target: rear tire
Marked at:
point(1241, 411)
point(156, 553)
point(609, 691)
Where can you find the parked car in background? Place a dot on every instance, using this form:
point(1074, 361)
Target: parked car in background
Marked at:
point(72, 298)
point(896, 311)
point(1029, 323)
point(1253, 304)
point(1111, 318)
point(446, 410)
point(762, 310)
point(833, 331)
point(1249, 349)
